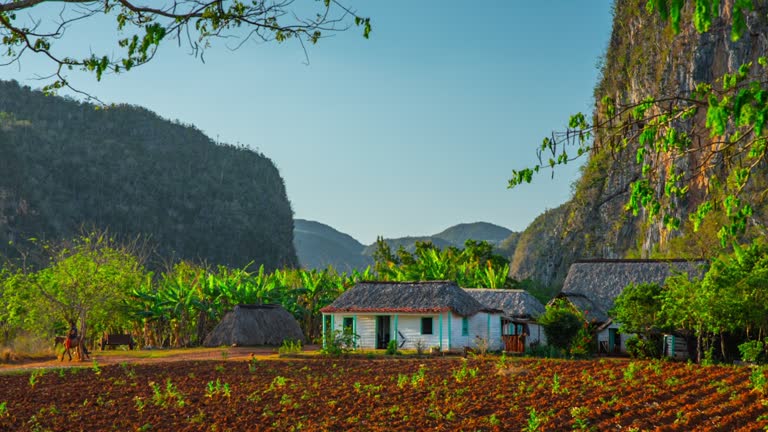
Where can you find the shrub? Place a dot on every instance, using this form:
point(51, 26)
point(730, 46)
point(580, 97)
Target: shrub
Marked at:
point(751, 351)
point(337, 342)
point(545, 351)
point(642, 348)
point(421, 347)
point(392, 348)
point(561, 324)
point(583, 344)
point(482, 345)
point(290, 347)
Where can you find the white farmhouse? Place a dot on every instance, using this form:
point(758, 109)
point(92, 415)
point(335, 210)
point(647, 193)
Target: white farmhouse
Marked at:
point(432, 313)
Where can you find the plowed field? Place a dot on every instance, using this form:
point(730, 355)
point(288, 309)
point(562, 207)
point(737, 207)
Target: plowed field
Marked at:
point(398, 394)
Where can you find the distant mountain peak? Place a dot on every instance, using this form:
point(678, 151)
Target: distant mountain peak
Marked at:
point(319, 245)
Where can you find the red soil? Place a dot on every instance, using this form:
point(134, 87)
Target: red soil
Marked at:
point(392, 394)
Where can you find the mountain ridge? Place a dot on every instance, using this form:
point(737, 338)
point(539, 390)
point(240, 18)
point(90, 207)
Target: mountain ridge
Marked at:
point(319, 245)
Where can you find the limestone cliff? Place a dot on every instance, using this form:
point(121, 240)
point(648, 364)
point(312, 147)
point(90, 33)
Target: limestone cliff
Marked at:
point(644, 58)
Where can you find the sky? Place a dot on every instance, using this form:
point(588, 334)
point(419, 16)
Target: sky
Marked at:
point(407, 133)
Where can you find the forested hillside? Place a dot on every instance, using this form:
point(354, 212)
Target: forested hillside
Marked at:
point(319, 246)
point(66, 165)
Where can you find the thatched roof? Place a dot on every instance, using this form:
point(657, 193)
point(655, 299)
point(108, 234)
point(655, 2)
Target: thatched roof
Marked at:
point(251, 325)
point(407, 297)
point(592, 286)
point(515, 303)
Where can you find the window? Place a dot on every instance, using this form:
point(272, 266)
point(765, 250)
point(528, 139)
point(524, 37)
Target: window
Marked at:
point(465, 326)
point(348, 324)
point(426, 326)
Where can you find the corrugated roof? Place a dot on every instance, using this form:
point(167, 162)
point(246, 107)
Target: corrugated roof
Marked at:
point(594, 285)
point(514, 303)
point(404, 297)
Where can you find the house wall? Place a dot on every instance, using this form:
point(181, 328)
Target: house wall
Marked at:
point(603, 336)
point(478, 328)
point(409, 327)
point(409, 330)
point(537, 335)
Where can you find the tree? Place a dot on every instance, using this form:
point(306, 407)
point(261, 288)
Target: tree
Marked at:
point(32, 27)
point(561, 324)
point(87, 281)
point(637, 309)
point(474, 266)
point(719, 125)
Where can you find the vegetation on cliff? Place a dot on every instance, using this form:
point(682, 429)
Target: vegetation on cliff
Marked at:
point(676, 135)
point(66, 165)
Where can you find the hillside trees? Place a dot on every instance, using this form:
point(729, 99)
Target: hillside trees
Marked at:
point(709, 139)
point(34, 27)
point(126, 170)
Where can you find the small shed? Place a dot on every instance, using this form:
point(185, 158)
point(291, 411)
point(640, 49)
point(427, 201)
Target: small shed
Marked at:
point(253, 325)
point(519, 329)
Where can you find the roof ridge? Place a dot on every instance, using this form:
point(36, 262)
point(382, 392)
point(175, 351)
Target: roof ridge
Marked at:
point(496, 289)
point(638, 260)
point(442, 281)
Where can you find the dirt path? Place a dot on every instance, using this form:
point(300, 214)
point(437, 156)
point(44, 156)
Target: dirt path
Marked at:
point(154, 356)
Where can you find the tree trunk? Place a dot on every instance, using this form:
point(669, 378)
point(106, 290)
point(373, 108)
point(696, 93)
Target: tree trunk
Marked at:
point(722, 345)
point(698, 348)
point(81, 341)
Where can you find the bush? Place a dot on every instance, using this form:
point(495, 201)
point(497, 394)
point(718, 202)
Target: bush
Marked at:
point(752, 351)
point(337, 343)
point(392, 348)
point(561, 324)
point(421, 347)
point(290, 347)
point(583, 344)
point(642, 348)
point(545, 351)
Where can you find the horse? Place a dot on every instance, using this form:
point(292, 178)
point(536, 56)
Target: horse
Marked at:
point(69, 345)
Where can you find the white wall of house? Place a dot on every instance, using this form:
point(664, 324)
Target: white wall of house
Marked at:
point(602, 336)
point(409, 327)
point(479, 325)
point(537, 335)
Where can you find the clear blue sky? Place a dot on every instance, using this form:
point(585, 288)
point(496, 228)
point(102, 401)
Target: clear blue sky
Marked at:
point(407, 133)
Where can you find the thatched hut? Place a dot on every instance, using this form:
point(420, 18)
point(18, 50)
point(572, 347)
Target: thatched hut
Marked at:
point(518, 325)
point(593, 285)
point(250, 325)
point(428, 313)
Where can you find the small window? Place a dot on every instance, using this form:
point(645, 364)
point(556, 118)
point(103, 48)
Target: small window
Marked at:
point(465, 326)
point(426, 326)
point(348, 324)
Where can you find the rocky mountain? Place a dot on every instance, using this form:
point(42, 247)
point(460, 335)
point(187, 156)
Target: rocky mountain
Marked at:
point(644, 58)
point(67, 166)
point(319, 245)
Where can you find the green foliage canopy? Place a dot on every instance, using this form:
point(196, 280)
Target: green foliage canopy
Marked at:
point(561, 324)
point(475, 266)
point(638, 308)
point(29, 27)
